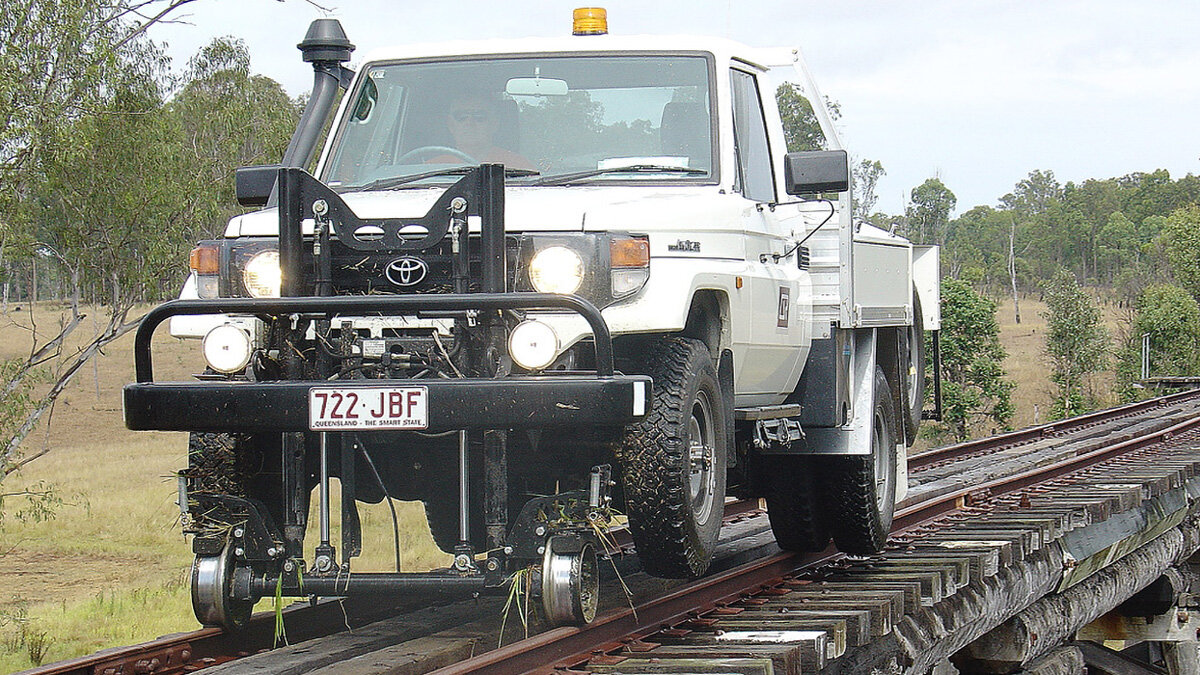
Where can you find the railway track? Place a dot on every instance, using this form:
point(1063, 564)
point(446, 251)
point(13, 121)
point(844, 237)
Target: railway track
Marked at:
point(976, 510)
point(1011, 439)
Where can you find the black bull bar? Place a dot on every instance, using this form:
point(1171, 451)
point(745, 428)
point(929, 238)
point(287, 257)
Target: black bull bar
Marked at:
point(605, 398)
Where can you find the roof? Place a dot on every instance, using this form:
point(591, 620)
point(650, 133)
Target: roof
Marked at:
point(721, 48)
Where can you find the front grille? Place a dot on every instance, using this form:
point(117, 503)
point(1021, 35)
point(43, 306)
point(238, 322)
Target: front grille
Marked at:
point(803, 258)
point(362, 272)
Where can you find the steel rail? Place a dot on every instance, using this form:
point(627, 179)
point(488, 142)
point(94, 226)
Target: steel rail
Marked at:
point(183, 652)
point(938, 456)
point(925, 510)
point(565, 648)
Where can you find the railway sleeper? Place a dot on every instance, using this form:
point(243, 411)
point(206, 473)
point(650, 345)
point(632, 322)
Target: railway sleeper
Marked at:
point(790, 652)
point(920, 588)
point(1041, 551)
point(835, 629)
point(1023, 540)
point(885, 607)
point(979, 561)
point(965, 566)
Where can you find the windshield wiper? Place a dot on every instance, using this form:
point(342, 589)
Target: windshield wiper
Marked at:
point(564, 178)
point(397, 181)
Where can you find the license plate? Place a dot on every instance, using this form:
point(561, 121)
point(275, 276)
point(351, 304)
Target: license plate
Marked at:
point(366, 408)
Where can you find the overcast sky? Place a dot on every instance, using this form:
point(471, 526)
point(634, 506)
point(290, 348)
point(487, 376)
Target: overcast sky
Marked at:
point(976, 92)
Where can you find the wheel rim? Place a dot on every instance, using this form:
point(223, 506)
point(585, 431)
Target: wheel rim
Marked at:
point(884, 476)
point(570, 585)
point(212, 577)
point(701, 447)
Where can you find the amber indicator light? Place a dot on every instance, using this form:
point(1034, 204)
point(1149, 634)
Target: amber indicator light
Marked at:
point(630, 253)
point(205, 260)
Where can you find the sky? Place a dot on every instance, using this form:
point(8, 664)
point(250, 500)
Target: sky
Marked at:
point(977, 93)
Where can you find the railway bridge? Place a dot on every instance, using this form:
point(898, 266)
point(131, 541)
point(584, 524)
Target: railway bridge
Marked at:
point(1064, 548)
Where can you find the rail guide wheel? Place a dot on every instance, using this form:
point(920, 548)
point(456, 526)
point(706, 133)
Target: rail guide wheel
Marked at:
point(570, 581)
point(212, 581)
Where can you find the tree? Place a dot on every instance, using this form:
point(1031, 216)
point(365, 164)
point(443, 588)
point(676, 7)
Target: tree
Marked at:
point(866, 176)
point(973, 386)
point(228, 117)
point(61, 63)
point(121, 195)
point(1169, 319)
point(976, 246)
point(1043, 224)
point(1077, 343)
point(1034, 195)
point(1182, 240)
point(54, 59)
point(801, 130)
point(929, 211)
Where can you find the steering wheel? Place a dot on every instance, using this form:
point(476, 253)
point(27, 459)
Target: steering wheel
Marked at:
point(433, 150)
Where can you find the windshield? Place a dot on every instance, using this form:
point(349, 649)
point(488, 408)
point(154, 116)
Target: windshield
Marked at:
point(613, 118)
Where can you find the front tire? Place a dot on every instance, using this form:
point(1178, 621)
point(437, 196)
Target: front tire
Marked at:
point(673, 462)
point(245, 466)
point(860, 491)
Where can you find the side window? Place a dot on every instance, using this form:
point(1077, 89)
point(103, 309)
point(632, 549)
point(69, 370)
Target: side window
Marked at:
point(801, 130)
point(755, 178)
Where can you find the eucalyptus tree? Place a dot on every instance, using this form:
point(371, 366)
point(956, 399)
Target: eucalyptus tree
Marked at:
point(1181, 238)
point(1167, 322)
point(801, 131)
point(866, 178)
point(63, 65)
point(228, 117)
point(974, 390)
point(1077, 343)
point(929, 211)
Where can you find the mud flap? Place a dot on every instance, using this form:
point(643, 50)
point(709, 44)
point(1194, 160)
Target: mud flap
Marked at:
point(853, 438)
point(725, 381)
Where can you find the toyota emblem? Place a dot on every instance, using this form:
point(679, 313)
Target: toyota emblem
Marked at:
point(406, 271)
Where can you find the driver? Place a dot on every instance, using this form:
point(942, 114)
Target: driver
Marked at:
point(473, 121)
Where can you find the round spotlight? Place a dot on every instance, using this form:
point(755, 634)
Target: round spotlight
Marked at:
point(556, 269)
point(262, 275)
point(533, 345)
point(227, 349)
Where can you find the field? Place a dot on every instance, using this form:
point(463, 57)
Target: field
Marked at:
point(111, 568)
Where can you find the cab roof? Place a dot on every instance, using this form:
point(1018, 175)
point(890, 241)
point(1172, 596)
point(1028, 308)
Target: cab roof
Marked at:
point(722, 49)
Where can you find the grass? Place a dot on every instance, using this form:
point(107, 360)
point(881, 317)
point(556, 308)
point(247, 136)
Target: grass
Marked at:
point(112, 567)
point(1026, 364)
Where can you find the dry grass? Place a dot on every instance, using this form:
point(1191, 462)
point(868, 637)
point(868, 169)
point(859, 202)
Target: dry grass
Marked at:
point(1026, 364)
point(112, 567)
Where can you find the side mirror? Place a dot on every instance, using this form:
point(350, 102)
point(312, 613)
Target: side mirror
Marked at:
point(254, 184)
point(816, 171)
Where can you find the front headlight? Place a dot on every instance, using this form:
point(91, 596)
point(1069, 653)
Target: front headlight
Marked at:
point(262, 275)
point(556, 269)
